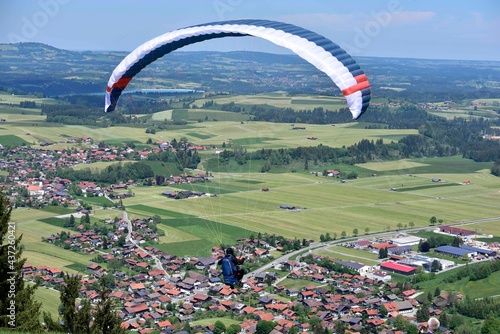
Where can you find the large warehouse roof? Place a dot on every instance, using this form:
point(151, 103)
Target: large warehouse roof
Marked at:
point(453, 250)
point(397, 267)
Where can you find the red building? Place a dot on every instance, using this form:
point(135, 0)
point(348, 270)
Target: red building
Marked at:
point(398, 268)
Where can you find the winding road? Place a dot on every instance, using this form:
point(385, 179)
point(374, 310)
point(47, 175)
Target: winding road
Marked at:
point(129, 238)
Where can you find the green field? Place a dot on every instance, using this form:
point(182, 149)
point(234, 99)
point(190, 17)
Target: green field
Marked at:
point(280, 100)
point(30, 223)
point(298, 283)
point(350, 254)
point(399, 192)
point(188, 234)
point(488, 287)
point(49, 299)
point(365, 202)
point(11, 140)
point(210, 321)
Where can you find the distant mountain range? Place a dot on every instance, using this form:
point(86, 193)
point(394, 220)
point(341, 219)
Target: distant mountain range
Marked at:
point(44, 69)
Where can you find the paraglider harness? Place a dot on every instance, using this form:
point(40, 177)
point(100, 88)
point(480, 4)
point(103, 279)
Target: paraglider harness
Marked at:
point(230, 268)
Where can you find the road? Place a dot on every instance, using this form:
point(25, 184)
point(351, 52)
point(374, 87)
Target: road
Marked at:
point(322, 245)
point(129, 238)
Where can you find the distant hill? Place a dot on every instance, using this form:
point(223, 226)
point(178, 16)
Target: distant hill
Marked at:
point(49, 71)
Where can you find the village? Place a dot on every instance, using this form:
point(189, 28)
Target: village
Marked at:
point(162, 291)
point(158, 291)
point(27, 184)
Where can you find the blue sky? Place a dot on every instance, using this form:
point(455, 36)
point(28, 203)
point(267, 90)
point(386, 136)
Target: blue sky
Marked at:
point(444, 29)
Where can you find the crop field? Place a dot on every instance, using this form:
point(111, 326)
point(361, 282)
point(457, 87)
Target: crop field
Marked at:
point(188, 234)
point(491, 228)
point(281, 100)
point(215, 115)
point(400, 193)
point(28, 125)
point(325, 204)
point(257, 135)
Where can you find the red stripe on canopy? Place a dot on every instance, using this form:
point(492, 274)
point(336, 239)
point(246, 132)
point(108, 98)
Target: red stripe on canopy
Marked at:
point(122, 83)
point(357, 87)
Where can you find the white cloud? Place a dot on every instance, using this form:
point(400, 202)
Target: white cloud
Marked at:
point(337, 21)
point(405, 18)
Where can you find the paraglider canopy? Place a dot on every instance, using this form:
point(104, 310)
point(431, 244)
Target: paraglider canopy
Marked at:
point(325, 55)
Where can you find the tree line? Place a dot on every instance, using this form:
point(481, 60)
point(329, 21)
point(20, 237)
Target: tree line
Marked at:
point(112, 174)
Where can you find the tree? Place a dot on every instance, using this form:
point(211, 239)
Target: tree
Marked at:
point(457, 242)
point(383, 253)
point(114, 264)
point(436, 266)
point(423, 313)
point(399, 322)
point(18, 308)
point(219, 327)
point(68, 295)
point(383, 311)
point(343, 234)
point(265, 327)
point(411, 224)
point(105, 318)
point(233, 329)
point(490, 326)
point(433, 220)
point(340, 327)
point(84, 317)
point(367, 230)
point(437, 291)
point(355, 232)
point(424, 247)
point(443, 320)
point(187, 328)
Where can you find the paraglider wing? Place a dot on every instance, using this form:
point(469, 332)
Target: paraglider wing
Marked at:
point(325, 55)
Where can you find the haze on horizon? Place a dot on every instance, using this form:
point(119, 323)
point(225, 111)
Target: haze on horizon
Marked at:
point(426, 29)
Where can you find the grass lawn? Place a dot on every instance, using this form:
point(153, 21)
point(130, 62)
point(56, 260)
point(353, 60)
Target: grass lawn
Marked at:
point(49, 299)
point(210, 321)
point(298, 283)
point(349, 254)
point(38, 259)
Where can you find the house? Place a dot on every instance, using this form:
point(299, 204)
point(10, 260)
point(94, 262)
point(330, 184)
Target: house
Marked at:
point(261, 253)
point(205, 262)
